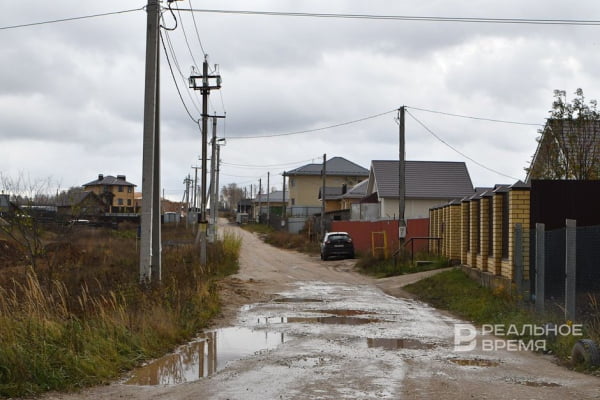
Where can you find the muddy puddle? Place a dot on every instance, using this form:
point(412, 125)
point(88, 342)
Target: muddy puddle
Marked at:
point(477, 362)
point(205, 356)
point(397, 344)
point(333, 320)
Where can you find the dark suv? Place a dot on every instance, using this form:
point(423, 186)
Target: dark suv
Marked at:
point(337, 244)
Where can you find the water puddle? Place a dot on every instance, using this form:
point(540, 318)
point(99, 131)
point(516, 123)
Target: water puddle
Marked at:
point(475, 362)
point(296, 300)
point(539, 384)
point(205, 356)
point(343, 313)
point(396, 344)
point(331, 320)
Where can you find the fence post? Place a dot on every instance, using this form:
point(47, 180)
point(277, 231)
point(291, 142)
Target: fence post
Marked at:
point(539, 267)
point(518, 258)
point(570, 269)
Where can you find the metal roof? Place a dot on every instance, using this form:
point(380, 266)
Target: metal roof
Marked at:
point(334, 166)
point(358, 191)
point(274, 197)
point(109, 180)
point(424, 179)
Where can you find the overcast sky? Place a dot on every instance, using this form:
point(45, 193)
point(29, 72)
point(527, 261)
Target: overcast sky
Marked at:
point(72, 93)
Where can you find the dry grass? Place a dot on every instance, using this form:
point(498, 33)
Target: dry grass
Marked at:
point(81, 318)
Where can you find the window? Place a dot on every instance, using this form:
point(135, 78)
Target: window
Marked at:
point(292, 182)
point(120, 202)
point(129, 189)
point(120, 188)
point(128, 202)
point(293, 202)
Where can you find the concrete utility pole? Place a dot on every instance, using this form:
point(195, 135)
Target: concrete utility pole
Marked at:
point(150, 250)
point(268, 198)
point(284, 204)
point(204, 91)
point(213, 185)
point(259, 198)
point(401, 178)
point(324, 175)
point(195, 197)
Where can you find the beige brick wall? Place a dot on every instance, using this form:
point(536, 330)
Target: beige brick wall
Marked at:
point(482, 258)
point(454, 251)
point(495, 261)
point(474, 232)
point(464, 236)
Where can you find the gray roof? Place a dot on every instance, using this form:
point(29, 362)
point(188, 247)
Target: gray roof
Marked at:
point(424, 179)
point(332, 192)
point(334, 166)
point(358, 191)
point(76, 198)
point(4, 202)
point(110, 180)
point(274, 197)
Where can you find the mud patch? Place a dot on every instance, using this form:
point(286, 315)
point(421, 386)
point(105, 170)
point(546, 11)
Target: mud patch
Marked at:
point(397, 344)
point(205, 356)
point(477, 362)
point(343, 313)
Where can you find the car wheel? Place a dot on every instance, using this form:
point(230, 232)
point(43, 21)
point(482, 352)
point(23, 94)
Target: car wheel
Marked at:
point(585, 351)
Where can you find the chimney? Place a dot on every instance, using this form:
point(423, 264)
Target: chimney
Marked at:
point(121, 177)
point(100, 177)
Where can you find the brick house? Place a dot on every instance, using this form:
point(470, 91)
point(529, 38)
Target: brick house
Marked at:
point(116, 192)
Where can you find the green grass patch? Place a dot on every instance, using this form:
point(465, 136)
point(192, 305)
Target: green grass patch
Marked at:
point(454, 291)
point(382, 268)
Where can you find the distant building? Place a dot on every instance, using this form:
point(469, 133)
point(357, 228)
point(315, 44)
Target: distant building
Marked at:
point(116, 192)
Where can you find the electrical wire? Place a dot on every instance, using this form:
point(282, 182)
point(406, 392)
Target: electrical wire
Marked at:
point(458, 151)
point(186, 39)
point(177, 66)
point(485, 20)
point(475, 118)
point(196, 28)
point(268, 165)
point(54, 21)
point(175, 80)
point(316, 129)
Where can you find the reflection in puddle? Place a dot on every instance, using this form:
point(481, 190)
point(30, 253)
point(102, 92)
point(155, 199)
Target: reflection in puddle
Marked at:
point(205, 356)
point(395, 344)
point(475, 362)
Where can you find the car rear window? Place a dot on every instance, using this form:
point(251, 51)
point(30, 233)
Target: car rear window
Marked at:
point(339, 237)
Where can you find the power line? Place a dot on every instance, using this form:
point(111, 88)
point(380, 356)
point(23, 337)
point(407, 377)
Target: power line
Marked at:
point(458, 151)
point(175, 80)
point(316, 129)
point(196, 28)
point(485, 20)
point(268, 165)
point(178, 67)
point(54, 21)
point(475, 118)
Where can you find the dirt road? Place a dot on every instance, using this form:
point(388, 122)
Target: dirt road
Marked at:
point(295, 327)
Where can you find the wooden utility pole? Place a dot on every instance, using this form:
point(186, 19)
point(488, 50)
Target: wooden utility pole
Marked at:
point(401, 178)
point(324, 175)
point(259, 198)
point(268, 198)
point(150, 257)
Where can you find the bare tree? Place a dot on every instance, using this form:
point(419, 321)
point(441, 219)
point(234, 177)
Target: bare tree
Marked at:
point(232, 194)
point(569, 144)
point(20, 222)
